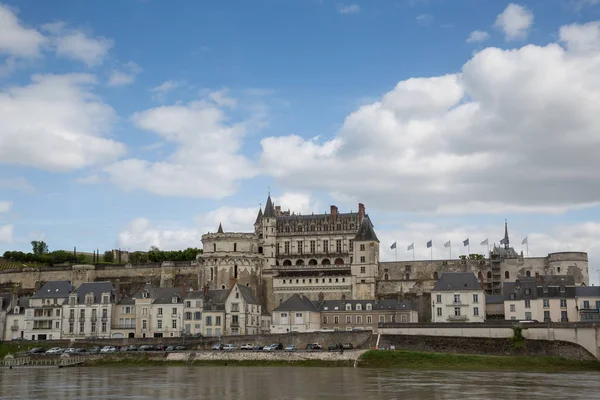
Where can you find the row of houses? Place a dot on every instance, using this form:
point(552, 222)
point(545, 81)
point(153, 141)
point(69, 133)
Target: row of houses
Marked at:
point(59, 311)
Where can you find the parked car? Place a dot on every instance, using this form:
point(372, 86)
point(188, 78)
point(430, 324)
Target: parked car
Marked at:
point(180, 348)
point(94, 350)
point(314, 347)
point(147, 347)
point(258, 347)
point(335, 347)
point(267, 348)
point(348, 346)
point(291, 347)
point(246, 346)
point(108, 349)
point(70, 350)
point(37, 350)
point(123, 348)
point(170, 348)
point(79, 350)
point(217, 346)
point(132, 348)
point(229, 347)
point(276, 346)
point(54, 350)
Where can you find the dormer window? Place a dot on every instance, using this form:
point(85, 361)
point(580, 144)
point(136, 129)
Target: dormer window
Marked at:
point(104, 299)
point(359, 307)
point(348, 307)
point(369, 307)
point(174, 299)
point(145, 294)
point(89, 299)
point(16, 310)
point(72, 300)
point(545, 289)
point(562, 289)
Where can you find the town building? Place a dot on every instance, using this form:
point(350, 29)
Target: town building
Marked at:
point(242, 312)
point(43, 317)
point(494, 306)
point(88, 311)
point(587, 300)
point(159, 311)
point(296, 314)
point(545, 298)
point(6, 300)
point(214, 312)
point(265, 322)
point(124, 318)
point(193, 306)
point(15, 319)
point(458, 297)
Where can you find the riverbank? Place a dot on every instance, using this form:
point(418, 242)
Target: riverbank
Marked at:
point(445, 361)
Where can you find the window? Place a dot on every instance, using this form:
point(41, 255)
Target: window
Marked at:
point(188, 304)
point(235, 307)
point(351, 245)
point(237, 295)
point(359, 319)
point(457, 298)
point(299, 319)
point(597, 305)
point(362, 259)
point(188, 315)
point(56, 325)
point(324, 320)
point(386, 277)
point(235, 247)
point(527, 303)
point(363, 270)
point(359, 307)
point(338, 246)
point(348, 319)
point(439, 311)
point(362, 247)
point(546, 316)
point(563, 303)
point(512, 308)
point(562, 289)
point(72, 300)
point(336, 320)
point(563, 316)
point(403, 318)
point(144, 324)
point(286, 247)
point(81, 326)
point(208, 321)
point(326, 245)
point(369, 319)
point(506, 275)
point(438, 298)
point(475, 298)
point(218, 320)
point(82, 314)
point(174, 324)
point(71, 327)
point(174, 311)
point(528, 292)
point(198, 316)
point(546, 303)
point(300, 247)
point(159, 324)
point(586, 304)
point(381, 318)
point(160, 311)
point(528, 315)
point(313, 246)
point(475, 311)
point(348, 307)
point(457, 311)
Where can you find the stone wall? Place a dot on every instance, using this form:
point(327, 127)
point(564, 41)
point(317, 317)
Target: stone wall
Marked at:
point(266, 356)
point(487, 346)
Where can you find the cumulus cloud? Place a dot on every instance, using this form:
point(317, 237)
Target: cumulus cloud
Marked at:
point(17, 39)
point(18, 183)
point(124, 75)
point(348, 9)
point(581, 38)
point(515, 129)
point(425, 19)
point(207, 160)
point(514, 21)
point(159, 92)
point(56, 123)
point(5, 206)
point(6, 234)
point(140, 235)
point(478, 36)
point(77, 45)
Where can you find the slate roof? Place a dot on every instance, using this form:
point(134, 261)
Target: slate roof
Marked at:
point(269, 208)
point(220, 230)
point(366, 232)
point(297, 303)
point(97, 288)
point(587, 291)
point(126, 301)
point(494, 299)
point(248, 295)
point(383, 304)
point(160, 295)
point(258, 217)
point(6, 300)
point(194, 294)
point(452, 281)
point(53, 289)
point(216, 299)
point(23, 303)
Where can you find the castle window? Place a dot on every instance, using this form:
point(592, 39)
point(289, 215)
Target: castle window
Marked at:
point(287, 228)
point(528, 273)
point(222, 286)
point(435, 275)
point(299, 228)
point(214, 247)
point(363, 270)
point(300, 247)
point(362, 247)
point(312, 227)
point(558, 270)
point(506, 275)
point(313, 246)
point(362, 259)
point(386, 277)
point(286, 247)
point(489, 275)
point(351, 245)
point(284, 281)
point(339, 227)
point(235, 271)
point(325, 227)
point(235, 247)
point(407, 276)
point(212, 274)
point(338, 245)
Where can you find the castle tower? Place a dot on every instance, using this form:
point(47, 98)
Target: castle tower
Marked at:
point(365, 260)
point(505, 241)
point(268, 241)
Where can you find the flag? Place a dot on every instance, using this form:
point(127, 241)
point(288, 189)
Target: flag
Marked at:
point(503, 241)
point(430, 243)
point(486, 242)
point(393, 246)
point(411, 247)
point(447, 244)
point(525, 241)
point(466, 242)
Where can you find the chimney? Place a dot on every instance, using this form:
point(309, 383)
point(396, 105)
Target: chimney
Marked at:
point(205, 292)
point(277, 211)
point(361, 213)
point(183, 290)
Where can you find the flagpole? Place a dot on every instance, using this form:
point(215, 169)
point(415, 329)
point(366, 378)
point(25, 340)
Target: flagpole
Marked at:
point(413, 251)
point(396, 249)
point(450, 247)
point(469, 249)
point(527, 247)
point(431, 251)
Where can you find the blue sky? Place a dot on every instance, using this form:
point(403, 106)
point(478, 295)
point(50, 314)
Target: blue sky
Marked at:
point(138, 122)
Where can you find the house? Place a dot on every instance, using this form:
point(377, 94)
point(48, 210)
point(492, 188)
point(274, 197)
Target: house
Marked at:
point(6, 300)
point(193, 306)
point(43, 318)
point(214, 312)
point(494, 306)
point(547, 298)
point(458, 297)
point(242, 312)
point(587, 300)
point(123, 317)
point(15, 320)
point(88, 311)
point(296, 314)
point(265, 322)
point(159, 311)
point(348, 315)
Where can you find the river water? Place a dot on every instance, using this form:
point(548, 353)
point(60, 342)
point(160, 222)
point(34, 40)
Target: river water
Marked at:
point(298, 383)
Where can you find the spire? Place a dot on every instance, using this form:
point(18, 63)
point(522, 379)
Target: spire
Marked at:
point(220, 228)
point(269, 208)
point(505, 241)
point(366, 232)
point(258, 217)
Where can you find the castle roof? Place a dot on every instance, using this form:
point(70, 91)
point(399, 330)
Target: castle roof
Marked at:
point(366, 232)
point(220, 228)
point(269, 208)
point(451, 281)
point(258, 217)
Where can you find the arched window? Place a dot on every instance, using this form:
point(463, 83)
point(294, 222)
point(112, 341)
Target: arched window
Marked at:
point(212, 274)
point(325, 227)
point(287, 262)
point(287, 229)
point(506, 275)
point(435, 275)
point(235, 247)
point(299, 262)
point(407, 276)
point(325, 261)
point(386, 277)
point(489, 275)
point(222, 286)
point(528, 273)
point(312, 227)
point(214, 247)
point(235, 271)
point(299, 228)
point(558, 270)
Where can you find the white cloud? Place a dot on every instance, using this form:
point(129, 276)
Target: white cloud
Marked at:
point(16, 184)
point(56, 123)
point(478, 36)
point(348, 9)
point(125, 75)
point(140, 235)
point(206, 162)
point(76, 45)
point(516, 128)
point(221, 99)
point(6, 233)
point(16, 39)
point(5, 206)
point(515, 21)
point(161, 90)
point(90, 179)
point(581, 38)
point(425, 19)
point(233, 219)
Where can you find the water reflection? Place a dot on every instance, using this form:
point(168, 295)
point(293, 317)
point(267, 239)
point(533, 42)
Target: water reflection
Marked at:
point(256, 383)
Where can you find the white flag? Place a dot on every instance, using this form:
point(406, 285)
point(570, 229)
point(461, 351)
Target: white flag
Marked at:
point(411, 247)
point(486, 242)
point(447, 244)
point(525, 241)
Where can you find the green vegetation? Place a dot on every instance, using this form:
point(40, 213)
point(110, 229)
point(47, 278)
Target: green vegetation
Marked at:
point(423, 360)
point(472, 256)
point(517, 339)
point(13, 347)
point(157, 255)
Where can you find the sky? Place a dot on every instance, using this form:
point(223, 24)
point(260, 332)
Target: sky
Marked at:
point(131, 123)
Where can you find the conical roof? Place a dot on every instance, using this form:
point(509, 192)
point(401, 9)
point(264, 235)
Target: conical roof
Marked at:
point(258, 217)
point(220, 228)
point(366, 232)
point(269, 208)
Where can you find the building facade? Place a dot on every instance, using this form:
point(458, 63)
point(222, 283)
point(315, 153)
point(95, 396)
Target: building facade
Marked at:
point(458, 297)
point(296, 314)
point(587, 300)
point(159, 312)
point(88, 311)
point(242, 312)
point(43, 317)
point(348, 315)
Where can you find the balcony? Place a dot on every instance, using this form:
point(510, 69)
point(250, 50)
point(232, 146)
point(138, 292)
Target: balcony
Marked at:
point(14, 328)
point(104, 319)
point(317, 267)
point(71, 319)
point(235, 324)
point(94, 319)
point(457, 318)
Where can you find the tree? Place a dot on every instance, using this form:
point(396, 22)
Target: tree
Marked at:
point(39, 247)
point(109, 256)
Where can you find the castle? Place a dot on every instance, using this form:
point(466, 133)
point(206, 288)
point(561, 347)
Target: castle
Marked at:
point(334, 255)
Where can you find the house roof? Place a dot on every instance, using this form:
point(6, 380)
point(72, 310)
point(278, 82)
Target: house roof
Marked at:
point(381, 305)
point(297, 303)
point(451, 281)
point(216, 299)
point(494, 299)
point(366, 232)
point(23, 303)
point(160, 295)
point(194, 294)
point(53, 289)
point(247, 294)
point(126, 301)
point(6, 300)
point(587, 291)
point(96, 288)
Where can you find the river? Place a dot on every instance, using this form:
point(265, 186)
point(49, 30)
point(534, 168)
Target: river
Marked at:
point(298, 383)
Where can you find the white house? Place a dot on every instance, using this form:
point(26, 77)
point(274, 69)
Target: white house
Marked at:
point(296, 314)
point(15, 319)
point(588, 302)
point(43, 317)
point(458, 297)
point(242, 312)
point(159, 311)
point(88, 311)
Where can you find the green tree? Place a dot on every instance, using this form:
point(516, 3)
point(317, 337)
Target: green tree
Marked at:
point(39, 247)
point(109, 256)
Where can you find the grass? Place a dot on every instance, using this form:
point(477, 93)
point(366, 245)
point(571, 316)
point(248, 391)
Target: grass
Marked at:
point(423, 360)
point(13, 347)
